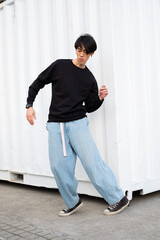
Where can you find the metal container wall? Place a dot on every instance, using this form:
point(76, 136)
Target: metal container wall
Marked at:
point(136, 54)
point(126, 128)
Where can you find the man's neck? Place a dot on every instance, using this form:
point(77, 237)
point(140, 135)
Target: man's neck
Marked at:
point(75, 62)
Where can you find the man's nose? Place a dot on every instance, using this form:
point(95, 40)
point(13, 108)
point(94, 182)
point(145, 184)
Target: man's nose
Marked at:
point(82, 53)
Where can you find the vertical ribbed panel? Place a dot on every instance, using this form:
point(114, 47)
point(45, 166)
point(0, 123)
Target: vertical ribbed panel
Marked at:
point(126, 128)
point(136, 37)
point(8, 138)
point(4, 149)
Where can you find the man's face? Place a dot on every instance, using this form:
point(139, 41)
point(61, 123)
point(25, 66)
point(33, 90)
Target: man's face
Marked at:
point(82, 56)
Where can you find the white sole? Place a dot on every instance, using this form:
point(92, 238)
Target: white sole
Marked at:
point(119, 211)
point(61, 214)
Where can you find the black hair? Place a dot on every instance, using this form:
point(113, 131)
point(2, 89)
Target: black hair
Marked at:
point(88, 42)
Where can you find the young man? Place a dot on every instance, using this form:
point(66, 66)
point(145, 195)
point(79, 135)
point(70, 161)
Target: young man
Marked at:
point(75, 92)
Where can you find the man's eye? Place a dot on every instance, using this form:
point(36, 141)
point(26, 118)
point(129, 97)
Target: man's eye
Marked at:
point(79, 50)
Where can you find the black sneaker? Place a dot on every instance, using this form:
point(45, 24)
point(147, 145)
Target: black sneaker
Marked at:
point(69, 211)
point(117, 207)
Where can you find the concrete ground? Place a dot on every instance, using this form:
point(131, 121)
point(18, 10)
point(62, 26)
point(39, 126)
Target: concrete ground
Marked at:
point(32, 213)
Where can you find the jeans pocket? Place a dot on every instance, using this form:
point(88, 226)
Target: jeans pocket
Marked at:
point(52, 126)
point(87, 120)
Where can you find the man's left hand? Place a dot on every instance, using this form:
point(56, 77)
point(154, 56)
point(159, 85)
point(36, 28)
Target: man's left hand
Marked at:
point(103, 92)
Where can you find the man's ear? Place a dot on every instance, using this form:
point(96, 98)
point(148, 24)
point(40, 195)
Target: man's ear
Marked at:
point(92, 54)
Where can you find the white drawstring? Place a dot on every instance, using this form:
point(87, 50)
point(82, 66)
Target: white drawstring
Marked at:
point(63, 140)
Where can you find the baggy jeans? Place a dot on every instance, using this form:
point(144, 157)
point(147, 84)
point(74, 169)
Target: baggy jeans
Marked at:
point(79, 142)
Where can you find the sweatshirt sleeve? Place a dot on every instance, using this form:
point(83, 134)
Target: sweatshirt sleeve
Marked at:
point(92, 102)
point(44, 78)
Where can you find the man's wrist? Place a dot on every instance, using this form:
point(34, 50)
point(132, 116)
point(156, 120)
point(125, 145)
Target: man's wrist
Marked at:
point(28, 105)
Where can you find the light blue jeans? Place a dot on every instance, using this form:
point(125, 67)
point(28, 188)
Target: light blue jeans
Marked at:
point(79, 142)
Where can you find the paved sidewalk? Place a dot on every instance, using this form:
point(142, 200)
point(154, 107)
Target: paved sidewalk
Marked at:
point(32, 213)
point(18, 230)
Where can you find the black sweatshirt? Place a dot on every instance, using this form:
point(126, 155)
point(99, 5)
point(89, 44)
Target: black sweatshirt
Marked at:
point(74, 91)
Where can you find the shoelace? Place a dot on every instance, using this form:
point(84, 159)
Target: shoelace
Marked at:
point(65, 210)
point(112, 207)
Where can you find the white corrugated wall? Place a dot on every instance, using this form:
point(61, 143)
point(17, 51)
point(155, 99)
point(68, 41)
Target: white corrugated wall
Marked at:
point(126, 128)
point(136, 53)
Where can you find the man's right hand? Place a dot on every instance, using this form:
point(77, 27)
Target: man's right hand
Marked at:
point(31, 115)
